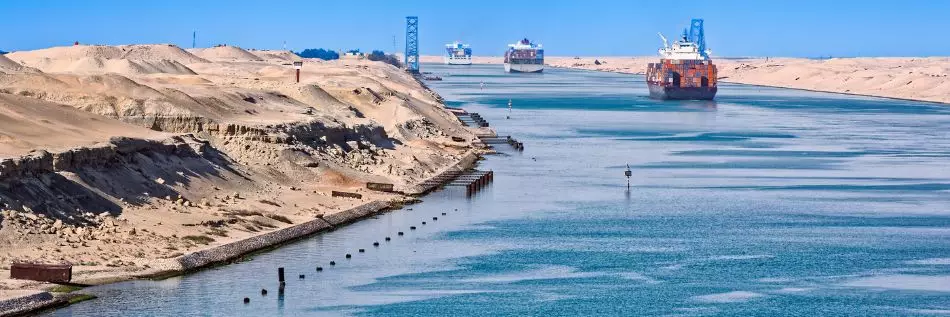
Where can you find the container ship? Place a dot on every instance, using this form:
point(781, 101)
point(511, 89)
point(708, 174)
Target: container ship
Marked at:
point(457, 53)
point(685, 71)
point(524, 57)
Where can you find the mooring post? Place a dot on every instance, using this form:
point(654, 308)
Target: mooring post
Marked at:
point(280, 275)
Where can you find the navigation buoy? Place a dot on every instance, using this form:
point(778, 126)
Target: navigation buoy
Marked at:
point(628, 173)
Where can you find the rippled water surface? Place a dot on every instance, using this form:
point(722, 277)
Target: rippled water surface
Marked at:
point(765, 202)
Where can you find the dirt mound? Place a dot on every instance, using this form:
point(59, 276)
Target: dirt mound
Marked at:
point(286, 56)
point(158, 53)
point(147, 52)
point(28, 124)
point(227, 53)
point(126, 60)
point(6, 63)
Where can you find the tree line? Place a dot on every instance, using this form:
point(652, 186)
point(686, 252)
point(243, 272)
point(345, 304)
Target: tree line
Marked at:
point(329, 55)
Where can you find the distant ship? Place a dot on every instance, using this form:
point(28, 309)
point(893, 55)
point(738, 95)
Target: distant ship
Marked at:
point(685, 71)
point(524, 57)
point(458, 54)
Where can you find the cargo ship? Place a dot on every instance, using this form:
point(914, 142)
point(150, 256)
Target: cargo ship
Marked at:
point(524, 57)
point(457, 53)
point(685, 71)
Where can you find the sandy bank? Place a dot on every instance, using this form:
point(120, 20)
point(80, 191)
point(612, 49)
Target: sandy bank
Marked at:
point(176, 161)
point(911, 78)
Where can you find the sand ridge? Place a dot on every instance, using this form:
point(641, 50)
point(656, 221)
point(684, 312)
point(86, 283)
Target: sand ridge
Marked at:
point(126, 59)
point(281, 55)
point(9, 64)
point(225, 53)
point(126, 157)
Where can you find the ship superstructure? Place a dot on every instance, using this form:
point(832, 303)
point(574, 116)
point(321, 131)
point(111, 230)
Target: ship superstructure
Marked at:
point(685, 70)
point(524, 57)
point(457, 53)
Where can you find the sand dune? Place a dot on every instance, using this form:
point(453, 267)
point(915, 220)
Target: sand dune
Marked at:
point(144, 52)
point(906, 78)
point(8, 64)
point(225, 53)
point(126, 60)
point(27, 124)
point(217, 148)
point(280, 55)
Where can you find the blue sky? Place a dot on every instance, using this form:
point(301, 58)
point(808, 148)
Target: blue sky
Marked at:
point(805, 28)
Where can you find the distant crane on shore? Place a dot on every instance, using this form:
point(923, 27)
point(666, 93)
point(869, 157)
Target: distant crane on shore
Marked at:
point(412, 44)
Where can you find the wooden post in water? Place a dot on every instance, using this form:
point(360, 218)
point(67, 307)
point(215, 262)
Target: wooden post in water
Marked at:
point(280, 275)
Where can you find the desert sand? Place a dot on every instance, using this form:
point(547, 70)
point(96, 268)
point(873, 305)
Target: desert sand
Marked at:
point(912, 78)
point(121, 159)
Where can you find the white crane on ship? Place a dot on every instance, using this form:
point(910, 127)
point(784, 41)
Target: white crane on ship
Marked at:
point(666, 44)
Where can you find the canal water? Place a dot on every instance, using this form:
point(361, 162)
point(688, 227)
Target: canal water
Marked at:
point(765, 202)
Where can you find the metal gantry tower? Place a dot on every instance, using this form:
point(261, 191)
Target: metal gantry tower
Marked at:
point(696, 35)
point(412, 44)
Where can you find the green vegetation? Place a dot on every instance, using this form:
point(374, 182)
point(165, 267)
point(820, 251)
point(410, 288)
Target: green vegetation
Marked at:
point(320, 53)
point(64, 288)
point(380, 56)
point(80, 298)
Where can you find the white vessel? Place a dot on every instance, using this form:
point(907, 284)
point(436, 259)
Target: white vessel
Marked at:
point(458, 54)
point(524, 57)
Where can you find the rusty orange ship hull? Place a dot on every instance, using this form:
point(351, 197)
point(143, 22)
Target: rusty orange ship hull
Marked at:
point(682, 80)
